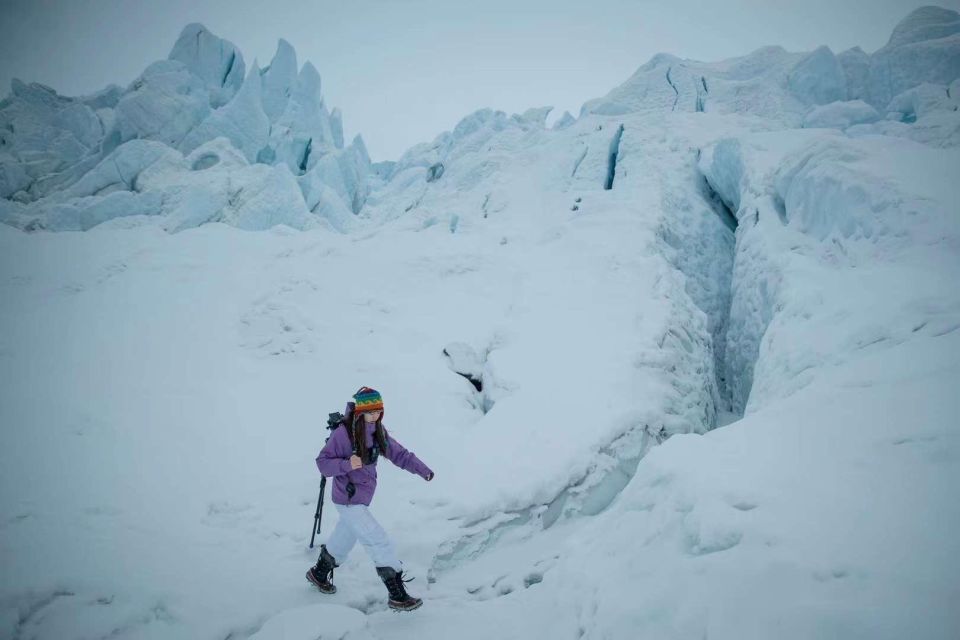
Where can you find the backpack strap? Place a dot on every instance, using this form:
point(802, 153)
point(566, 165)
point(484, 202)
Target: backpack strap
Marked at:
point(347, 423)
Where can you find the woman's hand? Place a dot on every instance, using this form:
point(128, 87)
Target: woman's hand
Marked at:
point(355, 462)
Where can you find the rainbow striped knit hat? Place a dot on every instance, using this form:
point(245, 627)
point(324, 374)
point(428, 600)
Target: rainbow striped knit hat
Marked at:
point(368, 399)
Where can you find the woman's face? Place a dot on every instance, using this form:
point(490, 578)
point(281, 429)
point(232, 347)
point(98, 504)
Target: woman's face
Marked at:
point(371, 416)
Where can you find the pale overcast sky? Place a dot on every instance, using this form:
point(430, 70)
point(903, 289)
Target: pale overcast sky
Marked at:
point(402, 71)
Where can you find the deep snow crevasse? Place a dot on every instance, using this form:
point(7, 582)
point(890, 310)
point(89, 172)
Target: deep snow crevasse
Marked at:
point(675, 90)
point(306, 156)
point(579, 161)
point(722, 316)
point(612, 158)
point(721, 329)
point(754, 285)
point(230, 63)
point(720, 207)
point(615, 464)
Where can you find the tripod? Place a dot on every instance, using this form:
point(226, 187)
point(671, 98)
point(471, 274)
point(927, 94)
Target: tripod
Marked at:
point(333, 421)
point(319, 513)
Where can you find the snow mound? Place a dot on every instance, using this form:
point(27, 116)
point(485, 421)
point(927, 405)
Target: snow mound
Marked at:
point(840, 115)
point(922, 101)
point(928, 114)
point(783, 511)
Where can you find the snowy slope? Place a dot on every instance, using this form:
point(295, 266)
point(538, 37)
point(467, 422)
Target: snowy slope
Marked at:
point(620, 286)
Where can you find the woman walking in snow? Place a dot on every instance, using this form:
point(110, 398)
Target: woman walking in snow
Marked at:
point(350, 458)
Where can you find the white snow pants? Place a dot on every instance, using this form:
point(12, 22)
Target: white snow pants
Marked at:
point(357, 523)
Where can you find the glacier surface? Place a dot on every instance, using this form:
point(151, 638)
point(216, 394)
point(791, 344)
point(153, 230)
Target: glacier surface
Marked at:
point(685, 365)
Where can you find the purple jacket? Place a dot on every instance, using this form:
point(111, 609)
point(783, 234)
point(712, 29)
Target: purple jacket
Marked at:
point(334, 462)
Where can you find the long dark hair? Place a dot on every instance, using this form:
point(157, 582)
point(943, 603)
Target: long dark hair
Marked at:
point(359, 432)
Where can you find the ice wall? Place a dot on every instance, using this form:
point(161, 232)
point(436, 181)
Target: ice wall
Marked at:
point(275, 117)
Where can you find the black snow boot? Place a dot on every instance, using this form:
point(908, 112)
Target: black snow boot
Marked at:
point(321, 573)
point(399, 600)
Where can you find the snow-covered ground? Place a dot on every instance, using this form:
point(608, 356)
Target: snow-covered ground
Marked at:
point(621, 286)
